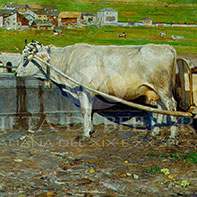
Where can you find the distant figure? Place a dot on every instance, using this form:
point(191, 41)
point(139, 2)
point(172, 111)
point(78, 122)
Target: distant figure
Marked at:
point(122, 35)
point(177, 37)
point(162, 34)
point(57, 32)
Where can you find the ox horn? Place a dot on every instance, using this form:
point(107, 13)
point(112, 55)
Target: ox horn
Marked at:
point(30, 46)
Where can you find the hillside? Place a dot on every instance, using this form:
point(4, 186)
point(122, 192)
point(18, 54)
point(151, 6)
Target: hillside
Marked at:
point(169, 11)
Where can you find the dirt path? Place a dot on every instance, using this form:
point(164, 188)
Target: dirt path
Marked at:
point(116, 162)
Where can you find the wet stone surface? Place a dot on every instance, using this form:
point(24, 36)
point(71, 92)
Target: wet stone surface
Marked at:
point(115, 162)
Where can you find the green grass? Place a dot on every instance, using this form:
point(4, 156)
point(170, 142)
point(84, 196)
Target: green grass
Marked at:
point(13, 41)
point(190, 157)
point(154, 170)
point(128, 10)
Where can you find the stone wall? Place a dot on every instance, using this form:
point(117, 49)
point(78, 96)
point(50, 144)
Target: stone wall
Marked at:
point(7, 58)
point(26, 104)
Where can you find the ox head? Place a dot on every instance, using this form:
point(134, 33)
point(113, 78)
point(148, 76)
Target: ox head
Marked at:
point(28, 66)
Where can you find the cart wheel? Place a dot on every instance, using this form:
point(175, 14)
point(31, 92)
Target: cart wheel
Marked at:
point(195, 124)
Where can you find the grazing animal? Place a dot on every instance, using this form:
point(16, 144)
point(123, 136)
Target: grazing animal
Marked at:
point(163, 34)
point(177, 37)
point(122, 35)
point(127, 72)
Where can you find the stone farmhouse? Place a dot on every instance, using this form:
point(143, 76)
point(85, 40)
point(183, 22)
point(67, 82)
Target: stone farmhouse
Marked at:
point(69, 19)
point(107, 16)
point(16, 21)
point(42, 25)
point(3, 14)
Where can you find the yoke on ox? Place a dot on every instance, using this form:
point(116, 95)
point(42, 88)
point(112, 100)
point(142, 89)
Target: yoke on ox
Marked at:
point(126, 72)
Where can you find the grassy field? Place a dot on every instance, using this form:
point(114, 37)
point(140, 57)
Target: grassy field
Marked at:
point(180, 11)
point(13, 41)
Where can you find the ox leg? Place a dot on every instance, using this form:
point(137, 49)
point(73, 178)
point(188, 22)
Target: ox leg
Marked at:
point(170, 104)
point(173, 130)
point(156, 122)
point(86, 104)
point(157, 125)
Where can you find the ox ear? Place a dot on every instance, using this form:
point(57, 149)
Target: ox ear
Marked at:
point(26, 42)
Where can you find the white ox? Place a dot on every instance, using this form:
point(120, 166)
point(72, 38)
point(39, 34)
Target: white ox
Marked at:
point(127, 72)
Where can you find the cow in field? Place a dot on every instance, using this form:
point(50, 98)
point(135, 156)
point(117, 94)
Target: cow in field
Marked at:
point(127, 72)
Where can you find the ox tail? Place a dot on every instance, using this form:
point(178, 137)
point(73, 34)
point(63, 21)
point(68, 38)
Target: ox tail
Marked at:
point(174, 71)
point(174, 77)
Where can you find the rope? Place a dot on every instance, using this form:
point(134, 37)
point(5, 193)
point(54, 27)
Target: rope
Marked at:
point(129, 103)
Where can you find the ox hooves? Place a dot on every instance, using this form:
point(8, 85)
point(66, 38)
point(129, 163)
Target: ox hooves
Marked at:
point(82, 138)
point(149, 137)
point(171, 142)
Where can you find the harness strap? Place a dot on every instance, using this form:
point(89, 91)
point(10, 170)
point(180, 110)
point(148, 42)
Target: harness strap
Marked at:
point(26, 63)
point(47, 75)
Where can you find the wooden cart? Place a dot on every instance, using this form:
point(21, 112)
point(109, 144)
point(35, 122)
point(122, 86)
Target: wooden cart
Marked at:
point(186, 86)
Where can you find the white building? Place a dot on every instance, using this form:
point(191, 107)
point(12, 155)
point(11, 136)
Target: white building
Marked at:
point(107, 16)
point(15, 21)
point(4, 13)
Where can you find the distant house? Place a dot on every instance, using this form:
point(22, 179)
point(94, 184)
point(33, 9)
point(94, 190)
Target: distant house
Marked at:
point(16, 21)
point(88, 18)
point(35, 7)
point(107, 16)
point(48, 15)
point(42, 25)
point(12, 6)
point(146, 21)
point(29, 15)
point(66, 19)
point(4, 13)
point(53, 17)
point(42, 15)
